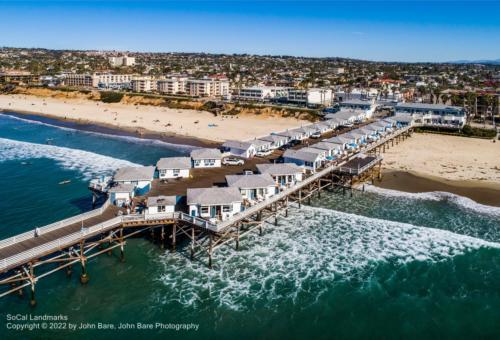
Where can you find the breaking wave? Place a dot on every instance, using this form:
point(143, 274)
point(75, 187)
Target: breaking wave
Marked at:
point(89, 164)
point(305, 255)
point(147, 141)
point(461, 201)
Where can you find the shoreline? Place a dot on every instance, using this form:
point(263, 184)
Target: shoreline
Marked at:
point(189, 126)
point(92, 126)
point(487, 193)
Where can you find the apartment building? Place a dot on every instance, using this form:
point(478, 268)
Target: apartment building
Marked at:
point(310, 97)
point(174, 85)
point(19, 77)
point(144, 84)
point(121, 61)
point(100, 80)
point(80, 80)
point(207, 87)
point(262, 93)
point(433, 114)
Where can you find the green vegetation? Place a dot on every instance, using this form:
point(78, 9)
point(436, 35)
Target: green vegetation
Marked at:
point(466, 131)
point(111, 97)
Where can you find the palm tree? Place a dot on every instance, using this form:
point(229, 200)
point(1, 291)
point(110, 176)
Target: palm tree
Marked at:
point(445, 98)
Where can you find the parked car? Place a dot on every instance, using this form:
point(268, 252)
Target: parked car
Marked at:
point(232, 161)
point(316, 135)
point(264, 153)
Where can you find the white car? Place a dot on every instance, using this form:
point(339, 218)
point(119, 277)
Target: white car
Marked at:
point(232, 161)
point(316, 135)
point(263, 153)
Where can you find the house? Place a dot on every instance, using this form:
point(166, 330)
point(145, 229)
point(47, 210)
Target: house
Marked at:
point(293, 134)
point(141, 177)
point(214, 203)
point(284, 174)
point(332, 149)
point(348, 143)
point(333, 123)
point(358, 135)
point(173, 167)
point(371, 135)
point(240, 149)
point(121, 194)
point(261, 145)
point(160, 207)
point(307, 130)
point(307, 160)
point(367, 106)
point(206, 158)
point(322, 127)
point(253, 187)
point(276, 141)
point(321, 152)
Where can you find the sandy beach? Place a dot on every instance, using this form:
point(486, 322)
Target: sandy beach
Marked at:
point(162, 120)
point(468, 167)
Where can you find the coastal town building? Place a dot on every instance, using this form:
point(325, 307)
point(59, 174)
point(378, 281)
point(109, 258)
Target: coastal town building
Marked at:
point(173, 167)
point(144, 84)
point(240, 149)
point(160, 207)
point(208, 87)
point(140, 177)
point(284, 174)
point(16, 77)
point(206, 158)
point(433, 114)
point(255, 187)
point(215, 204)
point(262, 93)
point(310, 161)
point(122, 194)
point(310, 97)
point(121, 61)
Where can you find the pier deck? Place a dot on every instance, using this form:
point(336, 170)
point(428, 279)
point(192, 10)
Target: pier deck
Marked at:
point(25, 250)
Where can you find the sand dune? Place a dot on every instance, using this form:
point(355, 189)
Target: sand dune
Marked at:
point(199, 124)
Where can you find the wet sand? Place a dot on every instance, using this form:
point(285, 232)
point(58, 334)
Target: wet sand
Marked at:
point(487, 193)
point(110, 129)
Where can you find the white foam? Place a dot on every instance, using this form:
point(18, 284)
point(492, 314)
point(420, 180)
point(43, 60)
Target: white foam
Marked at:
point(148, 141)
point(89, 164)
point(305, 255)
point(458, 200)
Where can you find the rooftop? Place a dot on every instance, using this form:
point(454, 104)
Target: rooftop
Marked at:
point(279, 169)
point(250, 181)
point(206, 154)
point(130, 173)
point(213, 196)
point(174, 163)
point(301, 155)
point(161, 200)
point(428, 106)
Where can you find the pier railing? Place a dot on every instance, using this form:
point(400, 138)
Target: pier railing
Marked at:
point(54, 226)
point(60, 243)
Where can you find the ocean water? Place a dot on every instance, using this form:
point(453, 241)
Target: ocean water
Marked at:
point(381, 264)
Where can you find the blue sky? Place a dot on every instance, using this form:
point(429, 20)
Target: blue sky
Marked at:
point(373, 30)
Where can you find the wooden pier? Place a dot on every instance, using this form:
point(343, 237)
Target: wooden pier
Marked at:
point(28, 257)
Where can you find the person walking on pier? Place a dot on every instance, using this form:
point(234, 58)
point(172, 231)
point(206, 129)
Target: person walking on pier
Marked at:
point(37, 232)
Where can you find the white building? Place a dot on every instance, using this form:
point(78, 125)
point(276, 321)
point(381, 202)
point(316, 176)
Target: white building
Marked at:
point(173, 167)
point(253, 187)
point(121, 61)
point(160, 207)
point(214, 204)
point(307, 160)
point(208, 87)
point(144, 84)
point(262, 93)
point(122, 194)
point(206, 158)
point(332, 149)
point(173, 85)
point(276, 141)
point(141, 177)
point(311, 97)
point(284, 174)
point(433, 114)
point(240, 149)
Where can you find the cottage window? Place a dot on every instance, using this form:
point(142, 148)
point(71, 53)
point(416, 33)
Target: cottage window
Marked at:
point(176, 172)
point(226, 208)
point(204, 210)
point(161, 208)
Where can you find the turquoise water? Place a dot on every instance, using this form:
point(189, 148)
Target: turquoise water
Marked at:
point(381, 264)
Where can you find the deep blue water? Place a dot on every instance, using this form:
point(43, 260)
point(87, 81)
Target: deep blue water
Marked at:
point(381, 264)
